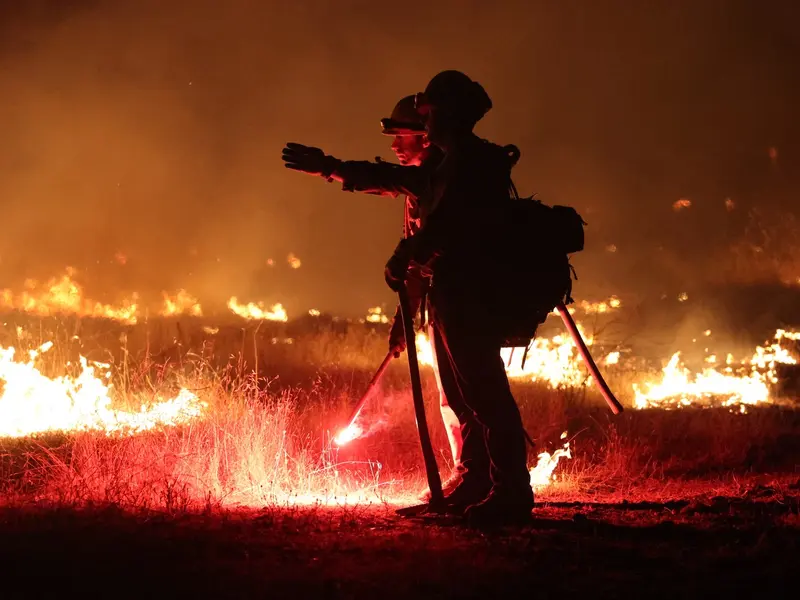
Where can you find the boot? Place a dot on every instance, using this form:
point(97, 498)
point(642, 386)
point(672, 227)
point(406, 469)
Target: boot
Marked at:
point(465, 494)
point(448, 486)
point(502, 507)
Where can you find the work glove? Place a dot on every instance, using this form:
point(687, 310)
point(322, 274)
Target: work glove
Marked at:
point(397, 335)
point(308, 159)
point(396, 269)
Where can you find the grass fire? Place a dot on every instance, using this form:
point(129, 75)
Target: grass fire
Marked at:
point(207, 398)
point(215, 380)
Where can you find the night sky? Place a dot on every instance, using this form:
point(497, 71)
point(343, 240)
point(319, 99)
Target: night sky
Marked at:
point(154, 129)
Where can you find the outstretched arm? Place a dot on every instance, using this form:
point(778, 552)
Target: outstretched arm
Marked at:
point(378, 178)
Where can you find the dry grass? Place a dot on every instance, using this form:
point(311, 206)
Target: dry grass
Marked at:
point(273, 408)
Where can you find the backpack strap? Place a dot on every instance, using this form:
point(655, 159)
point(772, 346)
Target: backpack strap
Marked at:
point(568, 296)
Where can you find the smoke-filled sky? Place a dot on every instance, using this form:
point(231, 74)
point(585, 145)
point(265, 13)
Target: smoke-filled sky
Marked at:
point(154, 129)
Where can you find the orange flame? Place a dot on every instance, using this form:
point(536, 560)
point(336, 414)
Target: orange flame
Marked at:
point(32, 403)
point(555, 361)
point(542, 473)
point(182, 303)
point(252, 311)
point(680, 387)
point(65, 296)
point(376, 315)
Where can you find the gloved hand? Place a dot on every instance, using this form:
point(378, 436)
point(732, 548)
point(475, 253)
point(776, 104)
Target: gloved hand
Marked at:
point(397, 335)
point(397, 268)
point(308, 159)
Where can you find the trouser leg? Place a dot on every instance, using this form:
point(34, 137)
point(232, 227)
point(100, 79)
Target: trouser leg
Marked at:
point(452, 425)
point(479, 375)
point(474, 457)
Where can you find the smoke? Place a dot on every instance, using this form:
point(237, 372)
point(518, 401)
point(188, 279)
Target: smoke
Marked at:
point(153, 129)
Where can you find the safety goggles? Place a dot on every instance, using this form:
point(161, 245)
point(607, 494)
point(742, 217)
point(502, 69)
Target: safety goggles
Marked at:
point(394, 127)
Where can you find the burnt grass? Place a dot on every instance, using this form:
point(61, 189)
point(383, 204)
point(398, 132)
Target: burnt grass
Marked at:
point(741, 547)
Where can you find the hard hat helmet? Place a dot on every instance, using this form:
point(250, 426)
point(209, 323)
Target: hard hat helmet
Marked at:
point(405, 119)
point(456, 93)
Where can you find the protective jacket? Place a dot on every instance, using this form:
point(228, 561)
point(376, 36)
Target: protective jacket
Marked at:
point(458, 241)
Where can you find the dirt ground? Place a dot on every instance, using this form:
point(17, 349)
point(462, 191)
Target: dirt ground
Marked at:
point(743, 546)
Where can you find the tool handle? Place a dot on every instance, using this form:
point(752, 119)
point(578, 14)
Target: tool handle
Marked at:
point(610, 399)
point(431, 468)
point(370, 388)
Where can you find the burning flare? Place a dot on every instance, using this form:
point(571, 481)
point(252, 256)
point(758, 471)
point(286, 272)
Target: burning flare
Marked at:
point(348, 434)
point(32, 403)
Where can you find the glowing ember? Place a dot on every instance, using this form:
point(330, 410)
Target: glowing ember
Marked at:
point(252, 311)
point(182, 303)
point(32, 403)
point(293, 261)
point(682, 203)
point(375, 315)
point(64, 296)
point(773, 153)
point(314, 312)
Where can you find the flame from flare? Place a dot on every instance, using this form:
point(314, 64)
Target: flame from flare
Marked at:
point(32, 403)
point(252, 311)
point(348, 434)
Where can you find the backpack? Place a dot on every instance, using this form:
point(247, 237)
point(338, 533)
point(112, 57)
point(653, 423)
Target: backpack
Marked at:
point(534, 274)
